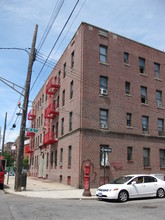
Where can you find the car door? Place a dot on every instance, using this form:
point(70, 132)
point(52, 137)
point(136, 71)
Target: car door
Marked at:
point(151, 185)
point(137, 187)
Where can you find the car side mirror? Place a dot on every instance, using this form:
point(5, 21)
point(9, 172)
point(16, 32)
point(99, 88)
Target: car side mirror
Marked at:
point(133, 182)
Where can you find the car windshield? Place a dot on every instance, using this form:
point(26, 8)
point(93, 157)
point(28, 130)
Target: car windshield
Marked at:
point(121, 180)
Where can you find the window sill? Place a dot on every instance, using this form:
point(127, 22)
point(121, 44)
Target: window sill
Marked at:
point(158, 79)
point(145, 104)
point(106, 64)
point(147, 168)
point(162, 168)
point(127, 64)
point(145, 134)
point(160, 107)
point(129, 95)
point(143, 74)
point(105, 96)
point(129, 127)
point(130, 161)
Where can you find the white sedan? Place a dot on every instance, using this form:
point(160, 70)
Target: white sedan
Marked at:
point(132, 186)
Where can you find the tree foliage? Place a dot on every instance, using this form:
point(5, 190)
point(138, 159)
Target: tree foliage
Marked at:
point(8, 157)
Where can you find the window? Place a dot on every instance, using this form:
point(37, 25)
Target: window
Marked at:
point(61, 157)
point(129, 153)
point(71, 90)
point(144, 95)
point(103, 54)
point(58, 101)
point(62, 126)
point(146, 157)
point(69, 155)
point(128, 121)
point(162, 158)
point(55, 158)
point(72, 59)
point(40, 138)
point(142, 65)
point(42, 119)
point(103, 85)
point(161, 127)
point(42, 98)
point(57, 130)
point(127, 88)
point(64, 71)
point(103, 118)
point(149, 179)
point(126, 58)
point(157, 70)
point(47, 160)
point(70, 121)
point(159, 98)
point(63, 98)
point(145, 120)
point(104, 158)
point(51, 161)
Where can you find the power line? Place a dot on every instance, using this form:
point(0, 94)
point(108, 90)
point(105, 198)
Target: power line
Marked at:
point(55, 43)
point(53, 17)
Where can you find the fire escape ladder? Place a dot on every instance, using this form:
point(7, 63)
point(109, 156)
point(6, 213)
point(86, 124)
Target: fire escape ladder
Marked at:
point(53, 85)
point(31, 114)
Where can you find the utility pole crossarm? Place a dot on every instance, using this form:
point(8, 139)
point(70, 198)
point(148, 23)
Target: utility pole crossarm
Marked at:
point(13, 84)
point(20, 153)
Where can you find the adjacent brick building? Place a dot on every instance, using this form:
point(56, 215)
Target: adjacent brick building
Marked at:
point(106, 91)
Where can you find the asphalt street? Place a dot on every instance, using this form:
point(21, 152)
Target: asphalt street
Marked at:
point(13, 207)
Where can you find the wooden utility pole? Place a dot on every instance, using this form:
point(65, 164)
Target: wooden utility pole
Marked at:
point(20, 152)
point(4, 131)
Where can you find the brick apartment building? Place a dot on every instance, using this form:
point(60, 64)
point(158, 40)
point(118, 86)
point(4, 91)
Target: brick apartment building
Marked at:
point(106, 91)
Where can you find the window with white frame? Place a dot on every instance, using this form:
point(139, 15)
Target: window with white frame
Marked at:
point(103, 118)
point(103, 85)
point(142, 65)
point(103, 54)
point(129, 153)
point(161, 127)
point(159, 98)
point(126, 58)
point(162, 158)
point(157, 70)
point(145, 128)
point(127, 88)
point(146, 157)
point(128, 119)
point(144, 95)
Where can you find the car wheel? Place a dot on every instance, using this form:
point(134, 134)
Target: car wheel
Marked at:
point(1, 186)
point(160, 193)
point(123, 196)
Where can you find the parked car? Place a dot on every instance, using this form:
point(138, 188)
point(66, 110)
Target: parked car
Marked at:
point(2, 177)
point(132, 186)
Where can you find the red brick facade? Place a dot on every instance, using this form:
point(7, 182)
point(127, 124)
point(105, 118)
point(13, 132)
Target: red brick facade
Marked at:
point(99, 119)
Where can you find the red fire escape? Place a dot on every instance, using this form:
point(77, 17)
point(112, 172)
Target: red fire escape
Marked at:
point(51, 111)
point(30, 147)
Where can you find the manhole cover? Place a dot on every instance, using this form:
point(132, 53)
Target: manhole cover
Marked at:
point(149, 207)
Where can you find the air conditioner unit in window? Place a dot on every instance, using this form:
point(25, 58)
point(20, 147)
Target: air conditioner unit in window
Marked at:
point(103, 91)
point(103, 126)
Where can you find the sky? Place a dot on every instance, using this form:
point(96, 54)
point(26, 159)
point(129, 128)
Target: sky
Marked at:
point(139, 20)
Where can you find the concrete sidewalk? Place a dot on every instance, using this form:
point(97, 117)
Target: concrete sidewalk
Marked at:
point(39, 188)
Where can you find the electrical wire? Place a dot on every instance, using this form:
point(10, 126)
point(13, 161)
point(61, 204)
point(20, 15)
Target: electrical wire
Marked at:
point(52, 19)
point(55, 43)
